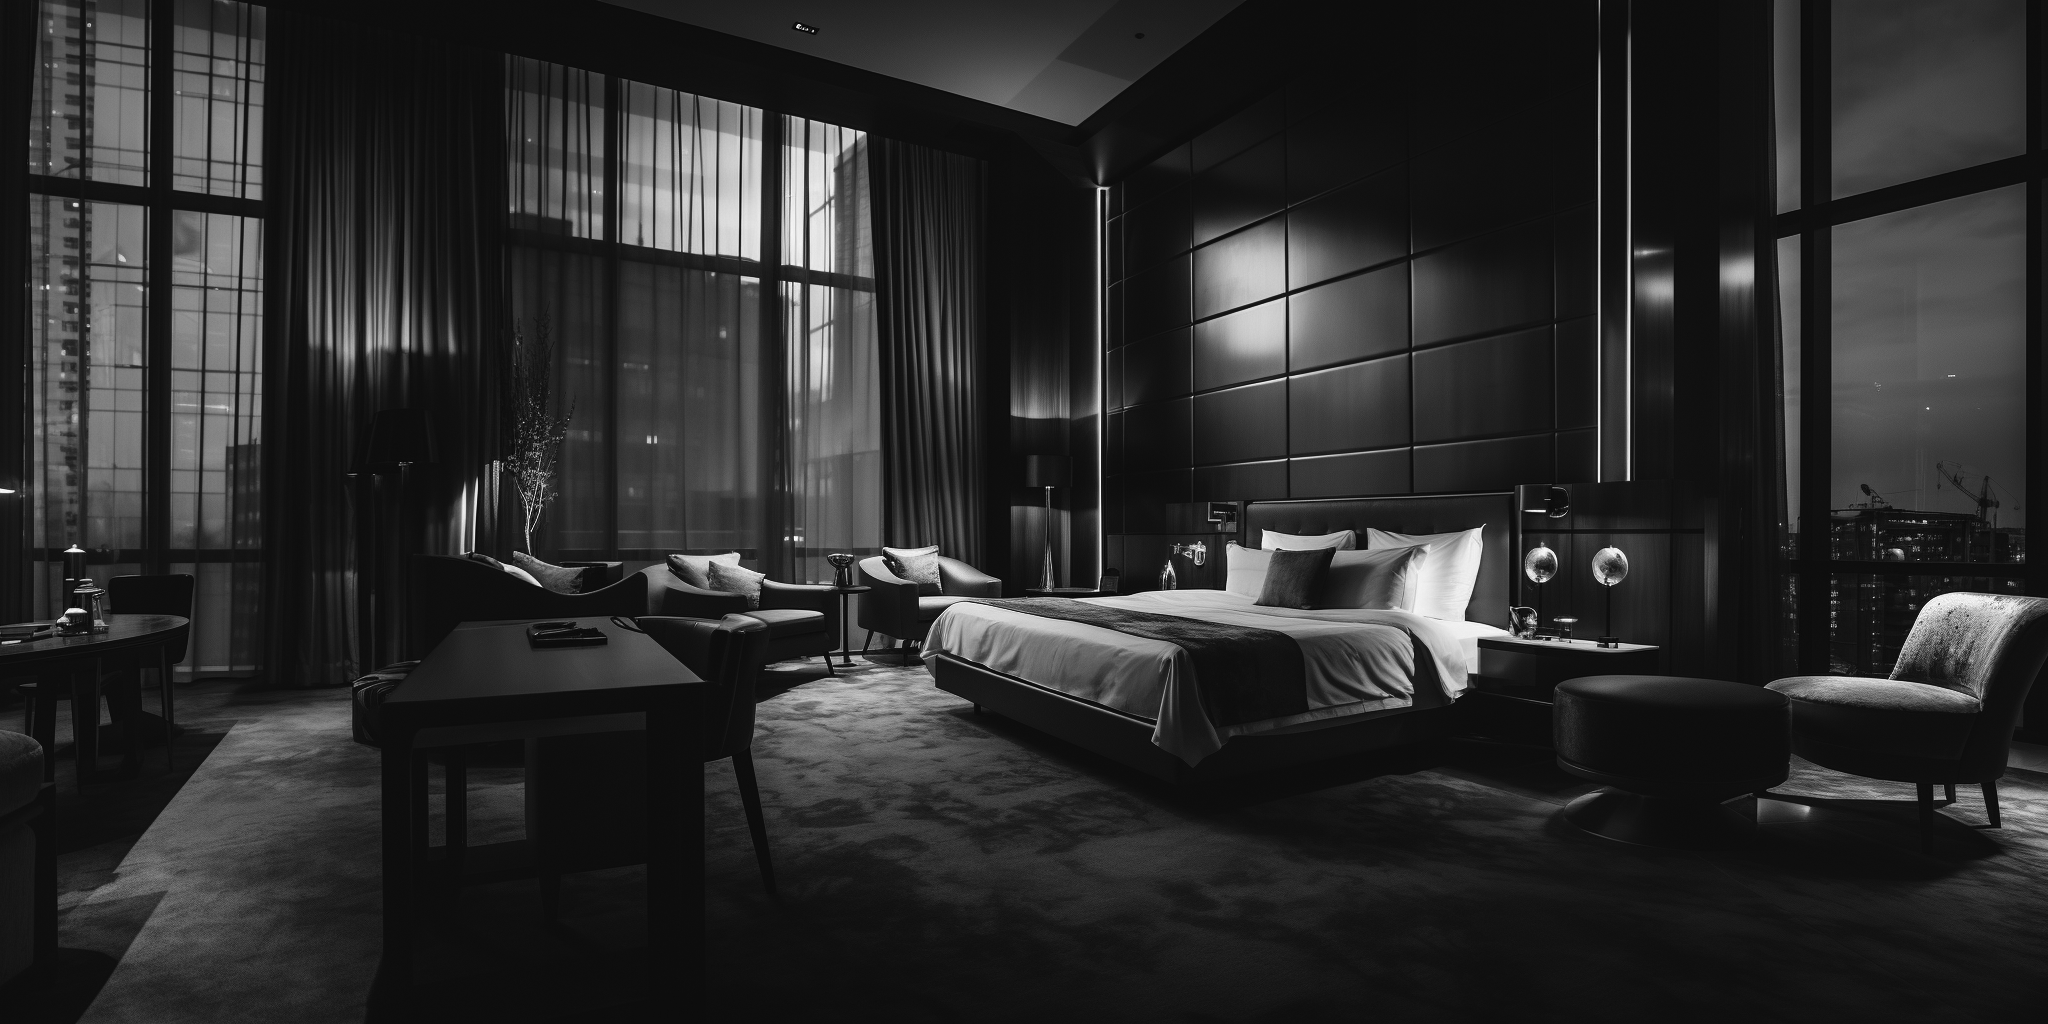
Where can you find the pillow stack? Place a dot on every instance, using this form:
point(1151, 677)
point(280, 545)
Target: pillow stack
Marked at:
point(1350, 579)
point(1426, 573)
point(511, 570)
point(1450, 567)
point(695, 570)
point(559, 578)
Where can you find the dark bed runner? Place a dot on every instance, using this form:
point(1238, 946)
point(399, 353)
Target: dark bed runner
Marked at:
point(1244, 674)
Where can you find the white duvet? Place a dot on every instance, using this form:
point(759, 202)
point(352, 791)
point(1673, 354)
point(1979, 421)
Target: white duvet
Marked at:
point(1358, 661)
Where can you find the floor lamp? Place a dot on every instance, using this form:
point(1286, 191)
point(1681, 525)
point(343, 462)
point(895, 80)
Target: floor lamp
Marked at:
point(1047, 471)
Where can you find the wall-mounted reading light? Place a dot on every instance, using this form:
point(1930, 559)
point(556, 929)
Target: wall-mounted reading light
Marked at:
point(809, 30)
point(1553, 501)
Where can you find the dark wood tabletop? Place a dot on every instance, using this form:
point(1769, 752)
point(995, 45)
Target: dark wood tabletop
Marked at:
point(123, 632)
point(485, 682)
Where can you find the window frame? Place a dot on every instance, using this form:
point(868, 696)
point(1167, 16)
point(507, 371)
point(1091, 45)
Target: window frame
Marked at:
point(161, 202)
point(1812, 224)
point(773, 270)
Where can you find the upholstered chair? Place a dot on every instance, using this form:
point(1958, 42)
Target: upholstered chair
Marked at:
point(586, 803)
point(1946, 714)
point(895, 609)
point(802, 618)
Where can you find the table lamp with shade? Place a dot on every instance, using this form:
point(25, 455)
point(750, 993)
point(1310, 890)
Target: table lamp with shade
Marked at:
point(1048, 471)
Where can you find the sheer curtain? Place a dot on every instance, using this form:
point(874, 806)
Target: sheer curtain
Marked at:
point(721, 370)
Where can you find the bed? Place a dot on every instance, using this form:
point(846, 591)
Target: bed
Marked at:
point(1129, 698)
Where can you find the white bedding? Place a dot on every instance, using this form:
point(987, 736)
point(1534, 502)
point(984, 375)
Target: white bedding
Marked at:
point(1357, 660)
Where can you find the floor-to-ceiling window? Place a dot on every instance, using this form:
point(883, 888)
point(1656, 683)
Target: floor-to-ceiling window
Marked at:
point(705, 272)
point(145, 281)
point(1910, 169)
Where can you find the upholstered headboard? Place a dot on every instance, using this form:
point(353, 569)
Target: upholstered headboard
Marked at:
point(1428, 513)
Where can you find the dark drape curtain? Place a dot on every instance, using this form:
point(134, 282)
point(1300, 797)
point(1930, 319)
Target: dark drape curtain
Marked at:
point(386, 197)
point(18, 59)
point(928, 230)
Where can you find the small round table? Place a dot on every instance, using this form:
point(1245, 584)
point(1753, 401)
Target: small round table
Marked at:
point(845, 650)
point(76, 659)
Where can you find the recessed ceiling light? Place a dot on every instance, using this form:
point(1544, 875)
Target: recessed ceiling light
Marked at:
point(809, 30)
point(1139, 35)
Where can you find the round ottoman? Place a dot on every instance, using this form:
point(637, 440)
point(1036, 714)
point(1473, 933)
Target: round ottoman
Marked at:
point(1669, 750)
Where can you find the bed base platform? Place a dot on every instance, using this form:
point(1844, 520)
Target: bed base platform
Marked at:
point(1127, 739)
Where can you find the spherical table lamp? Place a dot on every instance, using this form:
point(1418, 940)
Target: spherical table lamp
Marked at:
point(1610, 567)
point(1540, 565)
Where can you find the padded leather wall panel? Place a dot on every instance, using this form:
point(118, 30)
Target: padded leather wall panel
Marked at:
point(1497, 385)
point(1156, 368)
point(1157, 231)
point(1349, 319)
point(1146, 496)
point(1156, 178)
point(1493, 283)
point(1242, 424)
point(1243, 481)
point(1353, 228)
point(1341, 144)
point(1246, 345)
point(1458, 191)
point(1239, 131)
point(1575, 148)
point(1577, 455)
point(1578, 376)
point(1484, 465)
point(1363, 405)
point(1334, 476)
point(1577, 283)
point(1157, 300)
point(1115, 315)
point(1241, 269)
point(1156, 436)
point(1113, 379)
point(1417, 514)
point(1247, 187)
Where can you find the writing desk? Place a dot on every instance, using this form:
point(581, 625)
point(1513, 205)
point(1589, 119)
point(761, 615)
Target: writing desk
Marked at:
point(485, 683)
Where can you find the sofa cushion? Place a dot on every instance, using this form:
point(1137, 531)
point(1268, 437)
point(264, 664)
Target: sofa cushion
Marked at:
point(735, 579)
point(928, 608)
point(21, 770)
point(1888, 716)
point(695, 569)
point(917, 565)
point(784, 623)
point(559, 578)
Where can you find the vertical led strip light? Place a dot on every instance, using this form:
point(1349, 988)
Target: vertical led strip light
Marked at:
point(1101, 373)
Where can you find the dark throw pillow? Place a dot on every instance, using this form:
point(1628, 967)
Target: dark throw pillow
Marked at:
point(559, 578)
point(917, 565)
point(1295, 579)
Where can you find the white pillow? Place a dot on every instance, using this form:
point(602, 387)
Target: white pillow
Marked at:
point(1342, 540)
point(694, 569)
point(518, 573)
point(1244, 569)
point(1383, 579)
point(1449, 568)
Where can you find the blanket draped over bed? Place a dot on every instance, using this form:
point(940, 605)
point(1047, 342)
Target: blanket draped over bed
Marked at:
point(1244, 674)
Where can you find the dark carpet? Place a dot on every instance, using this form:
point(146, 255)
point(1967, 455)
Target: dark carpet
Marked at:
point(940, 865)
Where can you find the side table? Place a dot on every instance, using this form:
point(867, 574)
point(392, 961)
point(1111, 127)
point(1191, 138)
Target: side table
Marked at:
point(1511, 692)
point(845, 650)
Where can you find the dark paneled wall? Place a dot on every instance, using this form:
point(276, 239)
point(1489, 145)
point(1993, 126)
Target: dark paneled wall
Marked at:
point(1376, 279)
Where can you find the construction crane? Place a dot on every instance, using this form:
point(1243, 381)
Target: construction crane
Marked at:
point(1982, 496)
point(1876, 500)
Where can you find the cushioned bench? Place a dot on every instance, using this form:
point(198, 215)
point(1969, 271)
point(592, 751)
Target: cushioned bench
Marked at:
point(1669, 750)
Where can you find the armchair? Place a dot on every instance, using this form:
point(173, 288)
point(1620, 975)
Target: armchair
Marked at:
point(802, 618)
point(894, 609)
point(1946, 714)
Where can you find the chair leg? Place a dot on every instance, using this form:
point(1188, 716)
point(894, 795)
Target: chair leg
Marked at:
point(750, 797)
point(1991, 802)
point(1948, 791)
point(163, 677)
point(1926, 816)
point(457, 779)
point(829, 670)
point(869, 642)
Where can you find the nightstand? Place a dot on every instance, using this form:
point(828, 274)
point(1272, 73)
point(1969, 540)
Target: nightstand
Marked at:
point(1511, 690)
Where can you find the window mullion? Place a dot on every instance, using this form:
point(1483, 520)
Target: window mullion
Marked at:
point(156, 362)
point(1816, 363)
